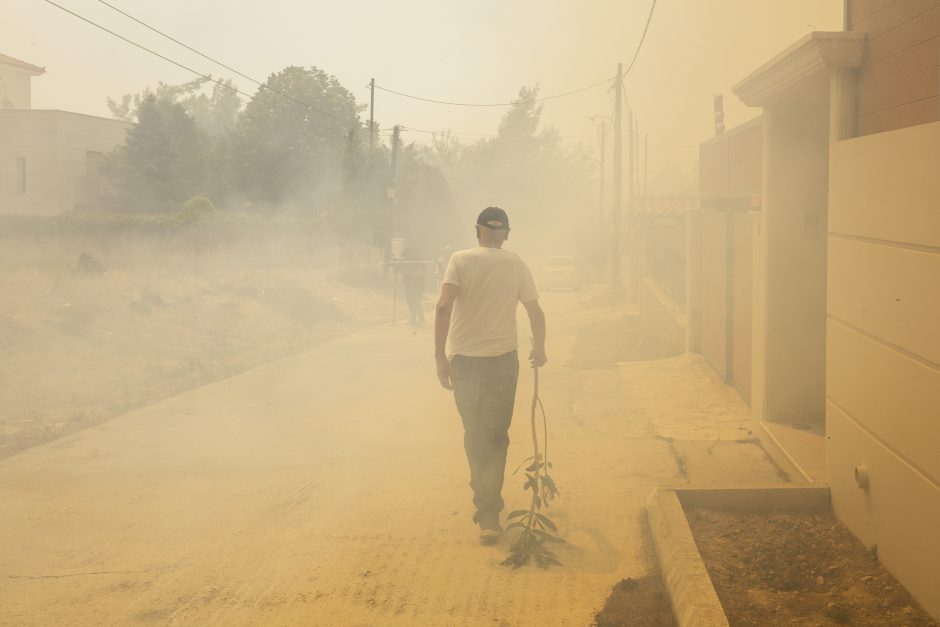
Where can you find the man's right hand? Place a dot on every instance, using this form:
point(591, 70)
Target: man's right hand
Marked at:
point(443, 372)
point(537, 357)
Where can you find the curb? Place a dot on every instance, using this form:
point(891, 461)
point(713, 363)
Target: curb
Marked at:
point(691, 594)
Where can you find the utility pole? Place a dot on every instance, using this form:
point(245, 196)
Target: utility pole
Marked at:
point(395, 142)
point(395, 220)
point(602, 139)
point(634, 160)
point(371, 116)
point(633, 234)
point(618, 180)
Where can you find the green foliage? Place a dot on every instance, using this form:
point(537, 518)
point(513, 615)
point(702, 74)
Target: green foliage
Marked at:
point(283, 151)
point(162, 161)
point(199, 206)
point(527, 169)
point(537, 530)
point(426, 208)
point(214, 112)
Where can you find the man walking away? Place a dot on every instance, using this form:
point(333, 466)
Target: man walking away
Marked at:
point(475, 346)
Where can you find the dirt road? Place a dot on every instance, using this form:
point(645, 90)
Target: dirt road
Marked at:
point(330, 488)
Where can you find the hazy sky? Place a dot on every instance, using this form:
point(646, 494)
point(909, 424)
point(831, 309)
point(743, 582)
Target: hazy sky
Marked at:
point(479, 51)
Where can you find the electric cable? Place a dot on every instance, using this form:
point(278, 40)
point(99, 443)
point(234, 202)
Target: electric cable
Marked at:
point(307, 104)
point(494, 104)
point(639, 46)
point(177, 41)
point(187, 68)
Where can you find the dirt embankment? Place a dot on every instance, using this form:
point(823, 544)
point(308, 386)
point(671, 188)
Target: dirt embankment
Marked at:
point(92, 325)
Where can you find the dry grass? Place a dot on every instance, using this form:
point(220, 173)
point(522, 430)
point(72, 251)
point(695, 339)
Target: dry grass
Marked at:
point(160, 319)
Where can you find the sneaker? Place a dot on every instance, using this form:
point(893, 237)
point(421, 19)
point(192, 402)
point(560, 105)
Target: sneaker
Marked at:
point(490, 529)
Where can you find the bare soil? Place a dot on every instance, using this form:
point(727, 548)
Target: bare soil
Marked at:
point(799, 569)
point(637, 603)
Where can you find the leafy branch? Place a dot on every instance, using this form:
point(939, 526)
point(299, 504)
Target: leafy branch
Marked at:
point(537, 529)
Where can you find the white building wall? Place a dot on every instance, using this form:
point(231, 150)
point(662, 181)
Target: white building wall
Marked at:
point(15, 90)
point(883, 348)
point(55, 146)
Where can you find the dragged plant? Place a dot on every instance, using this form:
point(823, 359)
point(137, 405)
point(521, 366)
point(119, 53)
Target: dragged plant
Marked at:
point(537, 530)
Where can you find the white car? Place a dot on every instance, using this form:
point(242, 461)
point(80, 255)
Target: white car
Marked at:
point(562, 272)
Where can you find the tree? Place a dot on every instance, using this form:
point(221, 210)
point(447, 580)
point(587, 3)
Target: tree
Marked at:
point(161, 163)
point(215, 112)
point(289, 144)
point(425, 204)
point(524, 169)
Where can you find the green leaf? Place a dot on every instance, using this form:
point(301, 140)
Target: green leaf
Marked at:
point(516, 513)
point(544, 519)
point(544, 536)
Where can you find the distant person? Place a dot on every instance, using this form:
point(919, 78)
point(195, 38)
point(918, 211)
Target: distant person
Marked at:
point(413, 277)
point(475, 346)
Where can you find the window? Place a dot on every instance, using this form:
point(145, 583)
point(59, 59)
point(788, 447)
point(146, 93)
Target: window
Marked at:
point(21, 175)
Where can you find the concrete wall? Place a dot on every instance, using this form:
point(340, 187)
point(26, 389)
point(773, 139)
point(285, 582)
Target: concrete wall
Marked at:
point(730, 164)
point(720, 252)
point(59, 150)
point(883, 375)
point(789, 316)
point(662, 316)
point(898, 80)
point(713, 310)
point(14, 88)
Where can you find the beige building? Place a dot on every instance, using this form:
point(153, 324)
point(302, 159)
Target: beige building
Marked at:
point(815, 286)
point(49, 160)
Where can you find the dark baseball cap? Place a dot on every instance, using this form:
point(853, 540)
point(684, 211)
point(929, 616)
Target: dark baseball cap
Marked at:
point(493, 218)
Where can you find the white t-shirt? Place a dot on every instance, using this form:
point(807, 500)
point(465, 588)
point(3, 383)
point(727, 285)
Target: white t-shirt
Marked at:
point(492, 283)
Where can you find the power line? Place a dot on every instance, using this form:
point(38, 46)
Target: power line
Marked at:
point(307, 104)
point(177, 41)
point(639, 46)
point(220, 64)
point(467, 135)
point(494, 104)
point(144, 48)
point(187, 68)
point(455, 133)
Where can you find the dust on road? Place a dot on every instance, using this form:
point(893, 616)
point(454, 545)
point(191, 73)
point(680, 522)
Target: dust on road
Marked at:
point(331, 488)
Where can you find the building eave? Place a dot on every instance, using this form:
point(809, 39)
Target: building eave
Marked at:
point(804, 59)
point(22, 66)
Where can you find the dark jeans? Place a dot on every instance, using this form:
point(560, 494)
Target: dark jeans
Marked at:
point(485, 391)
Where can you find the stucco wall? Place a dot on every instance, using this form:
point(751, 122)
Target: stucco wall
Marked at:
point(883, 354)
point(55, 147)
